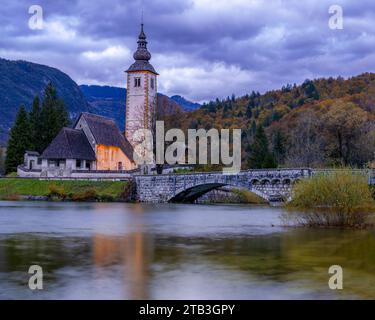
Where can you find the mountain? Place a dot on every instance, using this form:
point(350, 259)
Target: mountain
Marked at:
point(21, 81)
point(110, 102)
point(186, 104)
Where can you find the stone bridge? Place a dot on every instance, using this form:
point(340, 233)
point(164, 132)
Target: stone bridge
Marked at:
point(271, 185)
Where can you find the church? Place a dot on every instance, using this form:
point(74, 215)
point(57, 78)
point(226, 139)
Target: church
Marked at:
point(95, 145)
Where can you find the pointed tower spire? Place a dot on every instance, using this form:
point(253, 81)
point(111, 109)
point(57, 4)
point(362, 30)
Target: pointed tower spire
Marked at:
point(142, 53)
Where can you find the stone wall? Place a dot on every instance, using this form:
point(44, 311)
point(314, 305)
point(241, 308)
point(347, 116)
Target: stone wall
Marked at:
point(59, 173)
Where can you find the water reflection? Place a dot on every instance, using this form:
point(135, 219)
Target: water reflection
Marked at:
point(134, 253)
point(154, 260)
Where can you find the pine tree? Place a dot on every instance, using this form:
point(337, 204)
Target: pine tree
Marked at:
point(260, 156)
point(2, 160)
point(253, 127)
point(19, 141)
point(279, 143)
point(250, 106)
point(35, 123)
point(53, 116)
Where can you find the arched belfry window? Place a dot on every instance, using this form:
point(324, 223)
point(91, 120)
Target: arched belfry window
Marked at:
point(137, 82)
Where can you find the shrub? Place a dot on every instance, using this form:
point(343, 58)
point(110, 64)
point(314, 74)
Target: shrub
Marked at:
point(11, 196)
point(128, 192)
point(87, 195)
point(341, 199)
point(106, 198)
point(56, 191)
point(12, 175)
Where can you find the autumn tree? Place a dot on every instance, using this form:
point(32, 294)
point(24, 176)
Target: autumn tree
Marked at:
point(343, 123)
point(306, 143)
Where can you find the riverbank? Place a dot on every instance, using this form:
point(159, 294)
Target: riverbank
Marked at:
point(65, 190)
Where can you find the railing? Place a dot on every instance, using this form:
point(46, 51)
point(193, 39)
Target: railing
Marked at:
point(302, 170)
point(107, 171)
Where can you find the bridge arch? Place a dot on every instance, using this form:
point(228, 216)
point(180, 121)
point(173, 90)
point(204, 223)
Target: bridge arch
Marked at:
point(254, 182)
point(191, 194)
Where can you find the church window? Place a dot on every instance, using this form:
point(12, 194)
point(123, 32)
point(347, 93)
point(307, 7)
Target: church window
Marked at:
point(137, 82)
point(152, 83)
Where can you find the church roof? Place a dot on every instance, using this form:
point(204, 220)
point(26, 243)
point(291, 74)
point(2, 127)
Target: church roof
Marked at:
point(69, 144)
point(106, 132)
point(141, 66)
point(142, 55)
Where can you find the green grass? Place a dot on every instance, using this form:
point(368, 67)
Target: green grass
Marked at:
point(339, 199)
point(9, 187)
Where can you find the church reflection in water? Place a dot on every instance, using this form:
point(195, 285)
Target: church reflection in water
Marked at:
point(133, 253)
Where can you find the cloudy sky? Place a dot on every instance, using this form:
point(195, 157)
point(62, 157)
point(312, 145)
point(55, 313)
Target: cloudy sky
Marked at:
point(202, 49)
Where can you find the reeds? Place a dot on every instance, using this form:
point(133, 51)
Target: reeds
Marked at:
point(340, 198)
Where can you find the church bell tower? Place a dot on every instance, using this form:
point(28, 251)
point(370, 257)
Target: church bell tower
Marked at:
point(141, 97)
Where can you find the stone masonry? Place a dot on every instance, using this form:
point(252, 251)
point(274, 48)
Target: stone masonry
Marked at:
point(268, 184)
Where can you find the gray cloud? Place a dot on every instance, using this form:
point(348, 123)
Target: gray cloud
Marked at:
point(202, 49)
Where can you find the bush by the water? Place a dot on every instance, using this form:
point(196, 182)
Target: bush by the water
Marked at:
point(341, 198)
point(56, 191)
point(87, 195)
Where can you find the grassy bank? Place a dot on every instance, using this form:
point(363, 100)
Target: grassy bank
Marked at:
point(339, 199)
point(76, 190)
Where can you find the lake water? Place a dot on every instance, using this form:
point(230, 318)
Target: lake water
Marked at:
point(137, 251)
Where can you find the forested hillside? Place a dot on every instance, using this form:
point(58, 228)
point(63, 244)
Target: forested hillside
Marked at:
point(21, 81)
point(323, 122)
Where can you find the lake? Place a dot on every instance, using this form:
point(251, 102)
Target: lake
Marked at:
point(176, 251)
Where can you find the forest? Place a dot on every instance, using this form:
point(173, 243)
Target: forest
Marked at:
point(320, 123)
